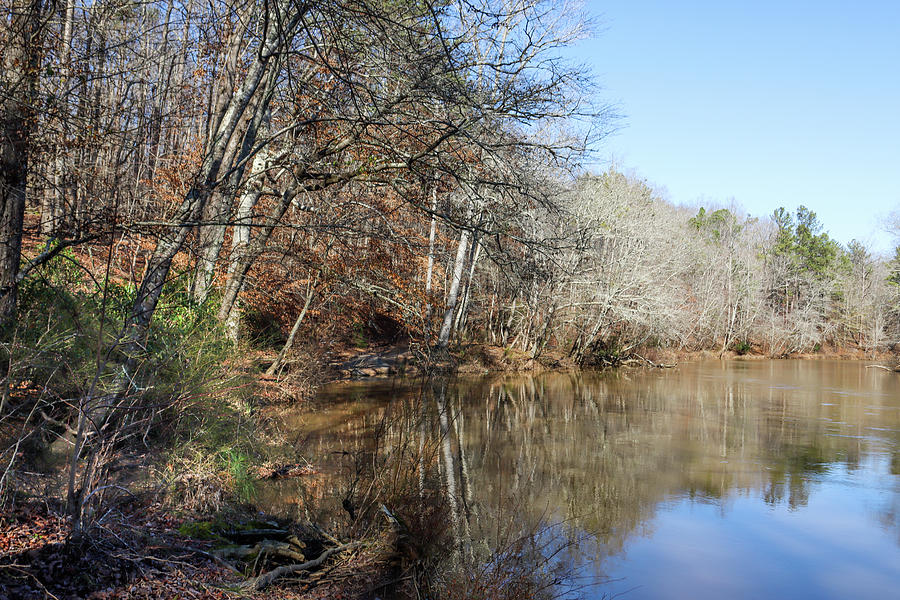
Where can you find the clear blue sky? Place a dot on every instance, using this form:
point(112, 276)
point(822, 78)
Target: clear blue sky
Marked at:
point(771, 103)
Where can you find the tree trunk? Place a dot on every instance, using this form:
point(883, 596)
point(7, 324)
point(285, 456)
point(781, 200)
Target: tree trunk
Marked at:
point(229, 312)
point(212, 235)
point(453, 293)
point(464, 305)
point(53, 209)
point(290, 341)
point(18, 81)
point(428, 271)
point(171, 242)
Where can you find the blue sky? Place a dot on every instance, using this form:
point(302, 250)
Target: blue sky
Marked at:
point(770, 103)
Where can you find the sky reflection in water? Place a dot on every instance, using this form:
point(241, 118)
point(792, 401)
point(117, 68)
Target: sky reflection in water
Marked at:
point(832, 534)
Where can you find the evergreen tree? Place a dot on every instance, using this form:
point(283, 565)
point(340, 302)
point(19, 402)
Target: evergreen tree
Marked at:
point(816, 252)
point(894, 268)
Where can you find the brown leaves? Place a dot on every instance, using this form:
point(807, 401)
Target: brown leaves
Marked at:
point(30, 529)
point(36, 562)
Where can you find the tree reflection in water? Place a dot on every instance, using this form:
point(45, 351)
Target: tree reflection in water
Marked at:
point(561, 470)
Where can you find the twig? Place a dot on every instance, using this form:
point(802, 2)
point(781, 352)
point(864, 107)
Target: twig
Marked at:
point(106, 487)
point(208, 555)
point(33, 576)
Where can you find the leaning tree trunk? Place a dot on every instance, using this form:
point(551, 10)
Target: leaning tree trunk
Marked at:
point(279, 360)
point(239, 263)
point(218, 212)
point(172, 239)
point(245, 251)
point(97, 414)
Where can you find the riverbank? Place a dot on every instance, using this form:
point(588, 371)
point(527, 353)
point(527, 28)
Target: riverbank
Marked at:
point(148, 551)
point(476, 359)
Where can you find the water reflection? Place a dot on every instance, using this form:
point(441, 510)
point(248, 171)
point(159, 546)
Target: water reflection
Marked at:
point(741, 479)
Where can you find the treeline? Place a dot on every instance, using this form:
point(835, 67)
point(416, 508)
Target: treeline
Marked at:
point(346, 168)
point(639, 272)
point(239, 146)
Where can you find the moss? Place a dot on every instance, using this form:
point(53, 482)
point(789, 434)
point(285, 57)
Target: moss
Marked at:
point(202, 530)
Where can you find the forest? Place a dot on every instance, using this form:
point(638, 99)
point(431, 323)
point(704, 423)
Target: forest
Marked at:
point(206, 206)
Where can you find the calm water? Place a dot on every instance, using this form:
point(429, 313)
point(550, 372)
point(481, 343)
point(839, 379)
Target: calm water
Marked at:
point(762, 479)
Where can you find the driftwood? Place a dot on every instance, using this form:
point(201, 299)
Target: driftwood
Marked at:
point(890, 369)
point(266, 579)
point(657, 365)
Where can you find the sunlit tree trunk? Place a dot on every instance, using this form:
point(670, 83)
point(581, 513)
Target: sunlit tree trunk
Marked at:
point(462, 313)
point(230, 311)
point(279, 360)
point(430, 268)
point(453, 293)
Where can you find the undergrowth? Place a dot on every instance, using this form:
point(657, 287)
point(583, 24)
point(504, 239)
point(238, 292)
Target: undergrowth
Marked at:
point(196, 421)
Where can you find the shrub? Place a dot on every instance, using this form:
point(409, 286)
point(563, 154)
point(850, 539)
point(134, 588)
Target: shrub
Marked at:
point(742, 347)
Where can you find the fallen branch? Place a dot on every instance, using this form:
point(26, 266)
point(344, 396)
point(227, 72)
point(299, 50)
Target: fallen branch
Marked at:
point(889, 369)
point(166, 544)
point(266, 579)
point(657, 365)
point(265, 547)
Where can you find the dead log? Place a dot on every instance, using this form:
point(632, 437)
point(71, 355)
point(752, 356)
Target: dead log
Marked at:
point(264, 548)
point(266, 579)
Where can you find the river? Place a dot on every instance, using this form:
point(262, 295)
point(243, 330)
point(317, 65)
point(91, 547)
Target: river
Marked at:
point(740, 479)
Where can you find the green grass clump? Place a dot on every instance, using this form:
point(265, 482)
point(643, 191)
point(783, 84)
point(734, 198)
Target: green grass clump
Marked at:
point(237, 464)
point(742, 347)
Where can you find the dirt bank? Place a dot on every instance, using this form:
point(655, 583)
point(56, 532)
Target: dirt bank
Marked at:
point(473, 359)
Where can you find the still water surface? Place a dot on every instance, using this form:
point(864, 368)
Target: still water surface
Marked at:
point(758, 479)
